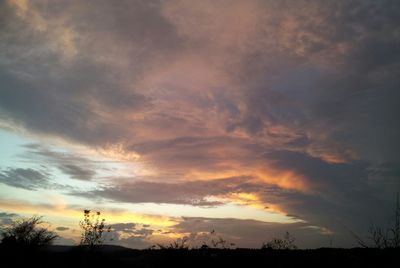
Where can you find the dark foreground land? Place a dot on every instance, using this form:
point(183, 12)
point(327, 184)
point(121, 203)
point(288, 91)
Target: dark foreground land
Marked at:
point(113, 256)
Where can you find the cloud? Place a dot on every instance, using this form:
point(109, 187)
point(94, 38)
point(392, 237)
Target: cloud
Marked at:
point(73, 165)
point(137, 242)
point(64, 109)
point(5, 214)
point(342, 176)
point(25, 178)
point(294, 102)
point(283, 86)
point(129, 235)
point(249, 233)
point(124, 227)
point(338, 202)
point(295, 75)
point(333, 103)
point(7, 218)
point(62, 228)
point(77, 172)
point(188, 192)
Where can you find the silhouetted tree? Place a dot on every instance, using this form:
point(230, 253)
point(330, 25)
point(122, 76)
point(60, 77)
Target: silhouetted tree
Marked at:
point(26, 233)
point(388, 237)
point(92, 229)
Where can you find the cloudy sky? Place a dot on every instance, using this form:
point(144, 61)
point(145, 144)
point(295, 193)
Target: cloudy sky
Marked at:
point(176, 118)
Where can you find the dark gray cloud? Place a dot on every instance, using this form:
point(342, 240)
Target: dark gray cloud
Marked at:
point(302, 90)
point(6, 214)
point(335, 176)
point(137, 242)
point(191, 193)
point(252, 233)
point(339, 104)
point(31, 179)
point(77, 172)
point(75, 166)
point(199, 153)
point(45, 95)
point(25, 178)
point(339, 202)
point(129, 235)
point(62, 228)
point(7, 218)
point(124, 227)
point(143, 232)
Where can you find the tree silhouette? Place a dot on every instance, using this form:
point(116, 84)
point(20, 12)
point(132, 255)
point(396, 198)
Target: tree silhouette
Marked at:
point(92, 229)
point(388, 237)
point(26, 233)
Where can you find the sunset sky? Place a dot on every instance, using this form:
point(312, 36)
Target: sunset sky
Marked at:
point(176, 118)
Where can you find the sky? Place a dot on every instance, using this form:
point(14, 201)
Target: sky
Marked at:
point(175, 118)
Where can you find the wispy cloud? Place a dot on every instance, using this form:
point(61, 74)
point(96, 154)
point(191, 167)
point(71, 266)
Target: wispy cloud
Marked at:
point(24, 178)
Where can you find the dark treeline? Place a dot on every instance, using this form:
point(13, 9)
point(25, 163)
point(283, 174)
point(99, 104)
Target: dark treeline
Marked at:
point(115, 256)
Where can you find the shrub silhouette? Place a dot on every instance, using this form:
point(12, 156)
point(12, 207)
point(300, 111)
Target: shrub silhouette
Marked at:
point(178, 244)
point(92, 229)
point(388, 237)
point(26, 233)
point(287, 242)
point(217, 242)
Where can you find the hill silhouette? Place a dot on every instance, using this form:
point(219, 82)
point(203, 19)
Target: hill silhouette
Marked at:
point(117, 256)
